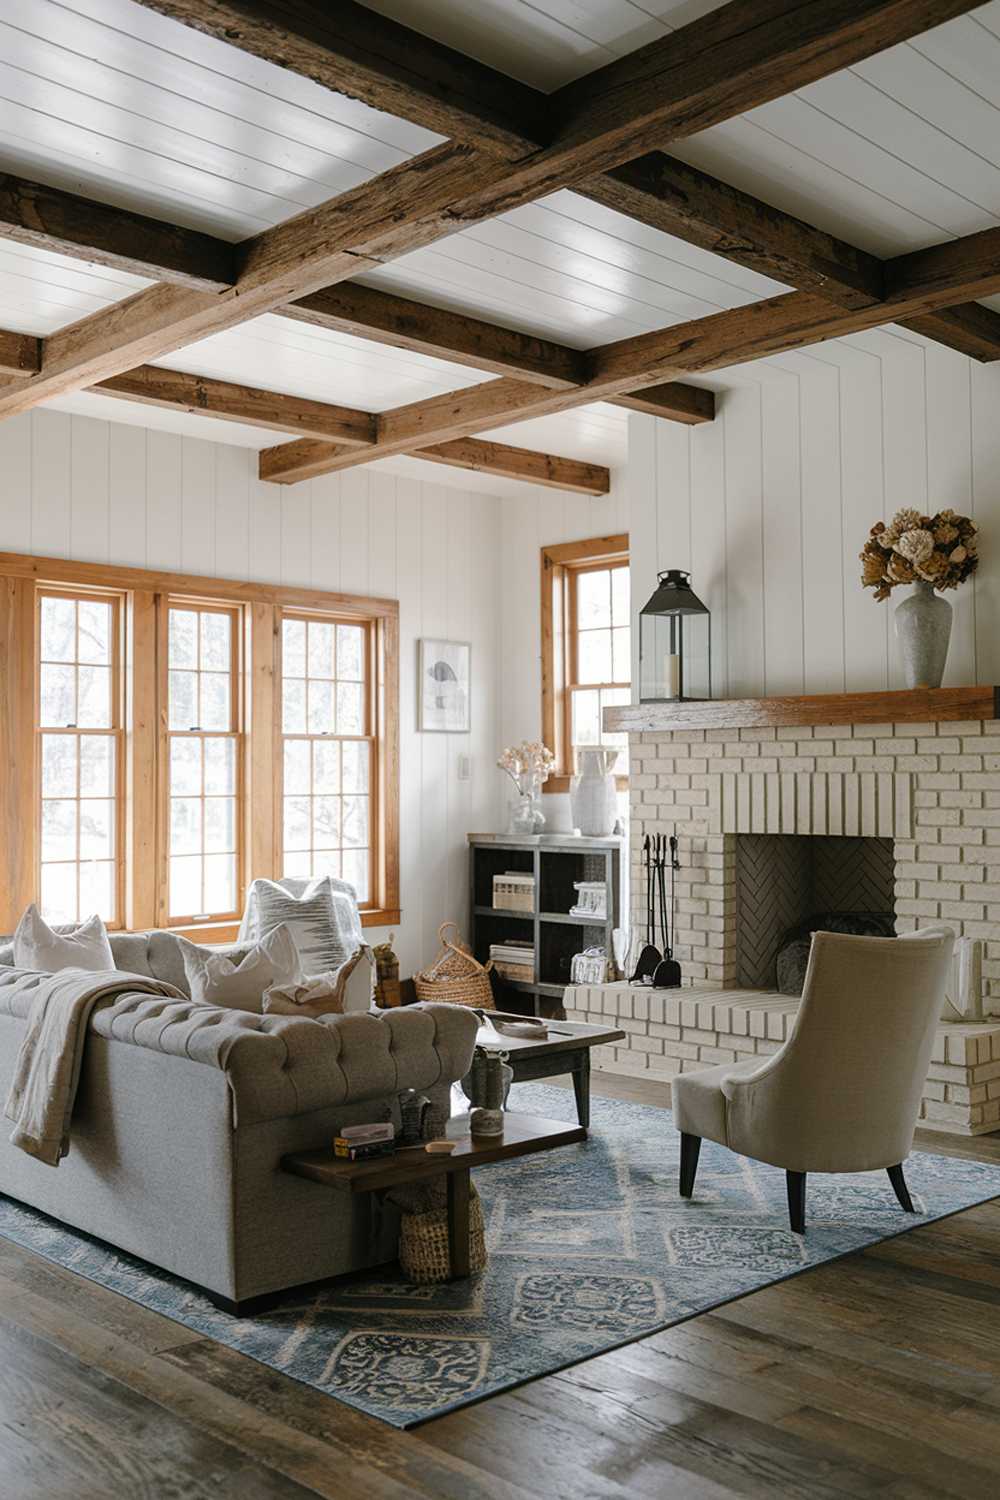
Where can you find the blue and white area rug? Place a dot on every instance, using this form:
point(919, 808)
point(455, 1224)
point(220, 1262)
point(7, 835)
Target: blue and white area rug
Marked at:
point(590, 1247)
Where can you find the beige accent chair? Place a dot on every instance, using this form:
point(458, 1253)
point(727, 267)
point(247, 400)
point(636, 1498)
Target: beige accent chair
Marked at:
point(843, 1093)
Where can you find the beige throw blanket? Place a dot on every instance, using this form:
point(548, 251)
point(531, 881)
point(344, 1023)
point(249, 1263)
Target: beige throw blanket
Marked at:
point(47, 1071)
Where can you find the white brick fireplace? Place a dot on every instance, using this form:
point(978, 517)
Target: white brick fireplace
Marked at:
point(930, 790)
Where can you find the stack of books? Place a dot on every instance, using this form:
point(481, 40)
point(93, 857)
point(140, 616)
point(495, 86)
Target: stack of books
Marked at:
point(514, 959)
point(362, 1142)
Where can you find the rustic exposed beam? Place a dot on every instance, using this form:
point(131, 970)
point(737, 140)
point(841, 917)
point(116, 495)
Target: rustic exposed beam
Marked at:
point(354, 51)
point(970, 328)
point(51, 219)
point(20, 353)
point(520, 463)
point(689, 404)
point(921, 283)
point(731, 60)
point(369, 313)
point(151, 386)
point(680, 200)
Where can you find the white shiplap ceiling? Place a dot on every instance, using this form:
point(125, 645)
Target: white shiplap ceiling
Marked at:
point(107, 99)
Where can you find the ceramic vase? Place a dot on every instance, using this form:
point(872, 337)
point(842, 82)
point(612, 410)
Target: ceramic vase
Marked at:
point(593, 797)
point(923, 630)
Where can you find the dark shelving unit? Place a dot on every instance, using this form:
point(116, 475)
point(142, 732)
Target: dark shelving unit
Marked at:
point(556, 861)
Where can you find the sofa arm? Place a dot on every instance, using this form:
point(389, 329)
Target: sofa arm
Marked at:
point(282, 1065)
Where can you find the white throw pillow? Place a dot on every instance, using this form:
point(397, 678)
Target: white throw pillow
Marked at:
point(213, 979)
point(349, 988)
point(37, 946)
point(321, 915)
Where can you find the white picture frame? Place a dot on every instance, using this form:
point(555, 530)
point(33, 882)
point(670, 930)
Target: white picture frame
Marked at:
point(444, 686)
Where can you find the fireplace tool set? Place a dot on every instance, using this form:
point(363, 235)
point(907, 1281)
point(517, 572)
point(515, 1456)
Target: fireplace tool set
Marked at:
point(654, 966)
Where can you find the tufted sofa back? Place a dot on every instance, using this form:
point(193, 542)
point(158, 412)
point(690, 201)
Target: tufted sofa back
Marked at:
point(156, 954)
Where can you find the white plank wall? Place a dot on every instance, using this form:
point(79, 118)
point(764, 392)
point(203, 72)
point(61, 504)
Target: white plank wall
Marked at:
point(770, 506)
point(106, 492)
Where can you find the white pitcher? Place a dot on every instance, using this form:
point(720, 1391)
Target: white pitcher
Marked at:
point(593, 796)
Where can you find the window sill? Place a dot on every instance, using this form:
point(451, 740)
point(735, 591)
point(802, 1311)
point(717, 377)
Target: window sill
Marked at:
point(227, 932)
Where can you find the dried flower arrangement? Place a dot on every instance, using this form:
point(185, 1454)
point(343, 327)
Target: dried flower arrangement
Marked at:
point(914, 548)
point(526, 761)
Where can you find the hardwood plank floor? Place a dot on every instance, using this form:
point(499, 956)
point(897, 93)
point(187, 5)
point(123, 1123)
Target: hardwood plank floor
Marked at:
point(876, 1375)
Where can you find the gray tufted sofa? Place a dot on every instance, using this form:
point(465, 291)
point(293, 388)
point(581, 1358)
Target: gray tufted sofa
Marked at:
point(184, 1112)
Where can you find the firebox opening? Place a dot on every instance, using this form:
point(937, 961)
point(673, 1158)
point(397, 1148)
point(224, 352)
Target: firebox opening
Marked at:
point(790, 885)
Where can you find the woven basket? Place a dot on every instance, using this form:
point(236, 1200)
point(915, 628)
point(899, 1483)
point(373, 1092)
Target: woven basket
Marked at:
point(455, 977)
point(423, 1243)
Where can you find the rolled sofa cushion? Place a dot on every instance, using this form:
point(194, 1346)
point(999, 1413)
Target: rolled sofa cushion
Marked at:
point(321, 915)
point(240, 983)
point(39, 946)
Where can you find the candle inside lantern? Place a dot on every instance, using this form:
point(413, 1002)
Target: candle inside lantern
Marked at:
point(672, 676)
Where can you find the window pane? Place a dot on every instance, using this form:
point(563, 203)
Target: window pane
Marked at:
point(293, 648)
point(320, 707)
point(355, 871)
point(216, 704)
point(93, 697)
point(326, 822)
point(97, 765)
point(297, 766)
point(183, 647)
point(96, 829)
point(620, 594)
point(593, 659)
point(321, 662)
point(298, 864)
point(586, 728)
point(350, 652)
point(350, 708)
point(58, 629)
point(326, 766)
point(297, 823)
point(326, 862)
point(216, 642)
point(293, 707)
point(220, 825)
point(59, 893)
point(220, 768)
point(58, 829)
point(185, 767)
point(58, 695)
point(185, 886)
point(94, 631)
point(183, 693)
point(621, 659)
point(59, 765)
point(356, 757)
point(593, 599)
point(185, 825)
point(220, 882)
point(98, 889)
point(355, 822)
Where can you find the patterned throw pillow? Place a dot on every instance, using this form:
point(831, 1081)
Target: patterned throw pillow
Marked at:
point(321, 915)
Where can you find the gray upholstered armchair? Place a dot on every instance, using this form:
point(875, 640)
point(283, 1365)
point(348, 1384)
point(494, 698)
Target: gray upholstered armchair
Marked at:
point(843, 1093)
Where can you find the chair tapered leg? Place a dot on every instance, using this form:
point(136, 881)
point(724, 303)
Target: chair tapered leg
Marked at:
point(900, 1189)
point(796, 1185)
point(690, 1147)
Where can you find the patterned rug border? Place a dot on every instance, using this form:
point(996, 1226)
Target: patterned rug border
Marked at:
point(500, 1383)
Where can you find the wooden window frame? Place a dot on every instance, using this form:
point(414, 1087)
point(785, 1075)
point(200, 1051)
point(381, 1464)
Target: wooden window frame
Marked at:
point(141, 826)
point(115, 731)
point(560, 565)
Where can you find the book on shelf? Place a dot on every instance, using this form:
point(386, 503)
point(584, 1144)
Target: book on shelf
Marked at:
point(514, 960)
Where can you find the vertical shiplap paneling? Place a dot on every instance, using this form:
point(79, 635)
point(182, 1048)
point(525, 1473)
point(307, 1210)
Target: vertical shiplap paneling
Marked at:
point(822, 532)
point(414, 890)
point(782, 522)
point(708, 537)
point(986, 508)
point(198, 518)
point(89, 490)
point(355, 541)
point(643, 501)
point(673, 495)
point(51, 447)
point(382, 532)
point(233, 474)
point(904, 428)
point(741, 421)
point(296, 533)
point(435, 785)
point(949, 484)
point(15, 466)
point(164, 513)
point(265, 528)
point(459, 626)
point(866, 624)
point(324, 510)
point(127, 499)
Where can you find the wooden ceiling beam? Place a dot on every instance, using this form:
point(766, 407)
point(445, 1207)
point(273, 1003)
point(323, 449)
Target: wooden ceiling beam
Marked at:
point(502, 460)
point(20, 353)
point(177, 391)
point(970, 328)
point(689, 404)
point(50, 219)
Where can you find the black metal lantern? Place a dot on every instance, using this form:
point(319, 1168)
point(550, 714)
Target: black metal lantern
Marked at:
point(675, 642)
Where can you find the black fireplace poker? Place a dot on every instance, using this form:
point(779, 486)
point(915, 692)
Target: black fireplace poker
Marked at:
point(656, 966)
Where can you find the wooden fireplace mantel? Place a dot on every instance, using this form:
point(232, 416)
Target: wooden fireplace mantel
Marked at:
point(909, 706)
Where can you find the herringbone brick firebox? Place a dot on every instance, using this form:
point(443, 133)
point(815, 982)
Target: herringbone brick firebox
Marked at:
point(930, 790)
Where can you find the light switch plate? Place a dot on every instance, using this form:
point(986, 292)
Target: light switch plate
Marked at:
point(465, 767)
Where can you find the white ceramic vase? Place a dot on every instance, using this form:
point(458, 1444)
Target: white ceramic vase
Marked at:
point(593, 797)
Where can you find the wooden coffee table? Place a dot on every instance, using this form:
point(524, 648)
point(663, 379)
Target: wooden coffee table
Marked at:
point(523, 1135)
point(566, 1049)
